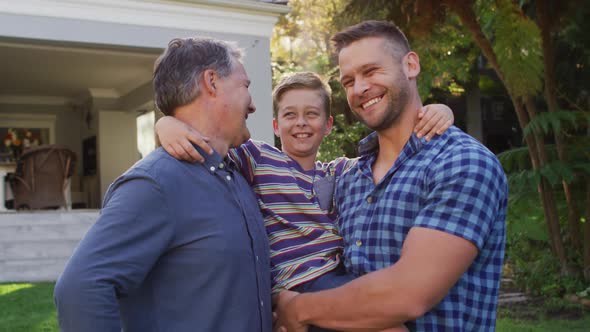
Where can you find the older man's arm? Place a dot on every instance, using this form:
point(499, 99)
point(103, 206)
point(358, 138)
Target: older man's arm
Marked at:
point(431, 263)
point(114, 256)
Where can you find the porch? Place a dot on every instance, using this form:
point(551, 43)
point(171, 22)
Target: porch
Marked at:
point(35, 246)
point(78, 74)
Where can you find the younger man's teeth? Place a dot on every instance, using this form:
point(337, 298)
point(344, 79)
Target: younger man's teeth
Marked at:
point(371, 102)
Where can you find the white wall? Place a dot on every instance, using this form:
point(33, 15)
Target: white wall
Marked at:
point(250, 28)
point(117, 145)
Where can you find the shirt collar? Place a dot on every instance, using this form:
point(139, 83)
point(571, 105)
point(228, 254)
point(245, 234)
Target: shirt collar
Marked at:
point(370, 144)
point(214, 161)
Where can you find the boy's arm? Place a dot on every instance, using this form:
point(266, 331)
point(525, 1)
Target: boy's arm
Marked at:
point(433, 119)
point(176, 137)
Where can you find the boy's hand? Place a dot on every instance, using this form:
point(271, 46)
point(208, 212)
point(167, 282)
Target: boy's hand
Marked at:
point(433, 119)
point(176, 137)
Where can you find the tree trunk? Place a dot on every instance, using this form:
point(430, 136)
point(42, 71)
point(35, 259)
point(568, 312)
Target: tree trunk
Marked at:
point(549, 206)
point(587, 234)
point(546, 22)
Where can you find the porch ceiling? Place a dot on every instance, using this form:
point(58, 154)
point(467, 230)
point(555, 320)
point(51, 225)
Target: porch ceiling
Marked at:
point(69, 70)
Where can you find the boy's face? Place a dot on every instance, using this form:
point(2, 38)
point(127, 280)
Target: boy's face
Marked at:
point(301, 123)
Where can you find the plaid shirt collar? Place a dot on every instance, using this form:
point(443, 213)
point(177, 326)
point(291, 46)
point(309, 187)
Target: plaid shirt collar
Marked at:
point(369, 148)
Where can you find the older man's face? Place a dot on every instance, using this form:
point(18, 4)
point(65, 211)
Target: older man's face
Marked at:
point(236, 105)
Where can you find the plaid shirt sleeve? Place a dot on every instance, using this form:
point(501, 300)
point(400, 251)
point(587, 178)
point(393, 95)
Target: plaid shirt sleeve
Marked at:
point(464, 194)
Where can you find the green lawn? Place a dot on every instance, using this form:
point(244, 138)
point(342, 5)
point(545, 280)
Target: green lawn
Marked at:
point(29, 308)
point(510, 325)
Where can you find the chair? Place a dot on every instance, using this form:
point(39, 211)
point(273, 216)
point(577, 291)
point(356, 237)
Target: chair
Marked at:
point(42, 177)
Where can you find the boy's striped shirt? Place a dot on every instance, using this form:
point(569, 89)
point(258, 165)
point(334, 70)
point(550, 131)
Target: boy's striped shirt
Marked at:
point(298, 211)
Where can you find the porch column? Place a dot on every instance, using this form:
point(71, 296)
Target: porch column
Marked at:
point(117, 145)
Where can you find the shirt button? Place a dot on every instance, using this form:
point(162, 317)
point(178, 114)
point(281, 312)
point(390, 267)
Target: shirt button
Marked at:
point(359, 243)
point(212, 168)
point(261, 303)
point(228, 178)
point(369, 199)
point(221, 165)
point(257, 258)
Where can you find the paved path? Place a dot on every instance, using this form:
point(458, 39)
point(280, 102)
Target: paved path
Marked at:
point(508, 294)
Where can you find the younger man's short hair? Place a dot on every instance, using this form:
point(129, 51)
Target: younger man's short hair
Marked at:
point(398, 43)
point(300, 81)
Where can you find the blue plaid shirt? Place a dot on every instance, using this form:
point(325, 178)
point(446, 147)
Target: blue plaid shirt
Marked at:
point(452, 184)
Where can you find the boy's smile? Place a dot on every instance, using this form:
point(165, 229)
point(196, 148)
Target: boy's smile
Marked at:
point(301, 124)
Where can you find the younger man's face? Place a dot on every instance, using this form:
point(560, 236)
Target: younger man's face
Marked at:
point(301, 123)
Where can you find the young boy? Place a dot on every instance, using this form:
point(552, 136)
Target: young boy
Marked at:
point(295, 190)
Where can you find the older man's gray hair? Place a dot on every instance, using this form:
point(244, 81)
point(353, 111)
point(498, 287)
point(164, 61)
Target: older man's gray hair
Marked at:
point(178, 70)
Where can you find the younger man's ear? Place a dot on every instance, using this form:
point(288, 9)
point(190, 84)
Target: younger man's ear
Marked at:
point(210, 82)
point(411, 66)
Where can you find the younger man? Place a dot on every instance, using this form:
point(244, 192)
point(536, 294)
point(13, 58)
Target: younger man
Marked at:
point(423, 222)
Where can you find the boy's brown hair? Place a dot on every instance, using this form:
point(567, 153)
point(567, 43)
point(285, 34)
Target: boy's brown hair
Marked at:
point(299, 81)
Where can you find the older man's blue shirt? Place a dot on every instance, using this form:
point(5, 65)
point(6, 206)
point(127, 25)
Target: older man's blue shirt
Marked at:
point(178, 247)
point(451, 184)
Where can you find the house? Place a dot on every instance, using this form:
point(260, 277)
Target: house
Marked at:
point(78, 73)
point(81, 71)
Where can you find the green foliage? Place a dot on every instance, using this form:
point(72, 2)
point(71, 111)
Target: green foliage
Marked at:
point(447, 56)
point(522, 179)
point(555, 122)
point(516, 43)
point(343, 140)
point(301, 38)
point(516, 159)
point(535, 268)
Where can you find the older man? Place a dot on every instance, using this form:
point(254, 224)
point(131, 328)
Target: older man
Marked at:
point(178, 246)
point(423, 222)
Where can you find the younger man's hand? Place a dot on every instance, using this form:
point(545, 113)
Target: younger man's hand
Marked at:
point(286, 313)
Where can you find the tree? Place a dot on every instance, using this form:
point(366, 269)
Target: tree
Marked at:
point(529, 45)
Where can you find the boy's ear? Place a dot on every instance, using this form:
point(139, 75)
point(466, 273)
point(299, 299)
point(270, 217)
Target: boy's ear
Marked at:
point(275, 127)
point(329, 125)
point(210, 80)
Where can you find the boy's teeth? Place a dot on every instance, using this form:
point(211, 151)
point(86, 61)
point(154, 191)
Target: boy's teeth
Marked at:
point(371, 102)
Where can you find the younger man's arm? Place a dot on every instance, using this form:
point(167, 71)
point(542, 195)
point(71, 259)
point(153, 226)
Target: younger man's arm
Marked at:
point(431, 263)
